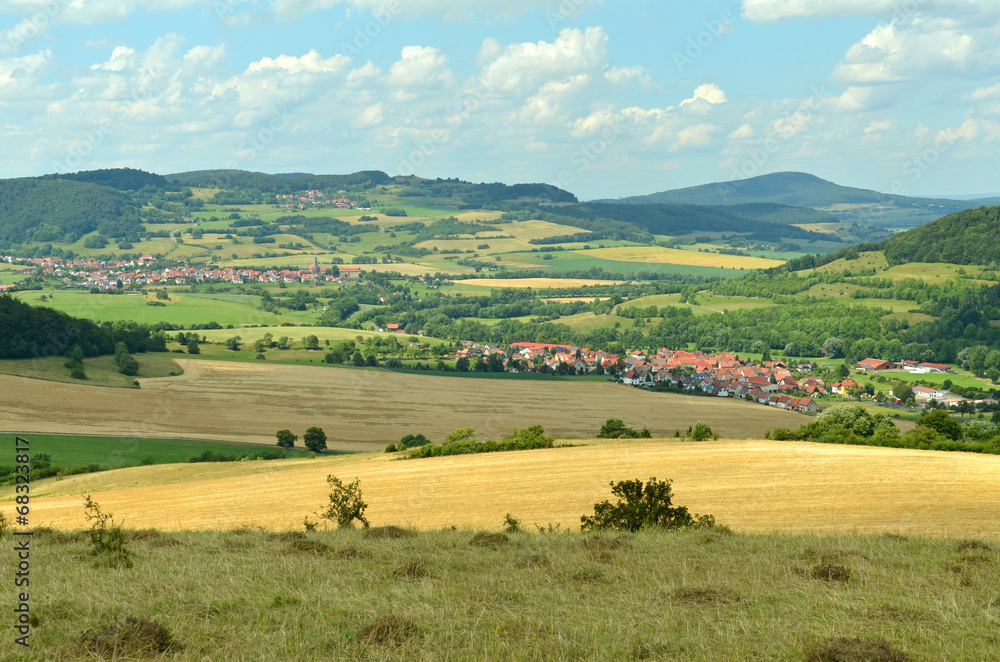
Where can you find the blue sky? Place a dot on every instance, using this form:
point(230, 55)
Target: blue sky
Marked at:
point(603, 98)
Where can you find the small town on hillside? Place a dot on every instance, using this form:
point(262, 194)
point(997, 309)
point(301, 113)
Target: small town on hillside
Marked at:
point(111, 276)
point(724, 375)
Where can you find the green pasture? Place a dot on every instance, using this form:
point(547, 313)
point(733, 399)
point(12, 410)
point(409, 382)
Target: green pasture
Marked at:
point(100, 370)
point(181, 309)
point(114, 452)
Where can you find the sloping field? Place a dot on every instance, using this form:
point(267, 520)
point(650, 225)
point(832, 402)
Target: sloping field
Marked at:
point(659, 255)
point(359, 409)
point(752, 486)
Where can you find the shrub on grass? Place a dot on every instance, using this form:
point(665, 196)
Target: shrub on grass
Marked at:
point(106, 536)
point(346, 505)
point(642, 506)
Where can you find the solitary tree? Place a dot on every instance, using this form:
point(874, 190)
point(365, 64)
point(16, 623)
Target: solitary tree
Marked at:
point(640, 506)
point(315, 439)
point(285, 438)
point(346, 504)
point(358, 360)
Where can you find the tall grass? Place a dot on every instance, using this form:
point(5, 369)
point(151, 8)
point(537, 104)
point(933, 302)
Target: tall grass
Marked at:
point(703, 595)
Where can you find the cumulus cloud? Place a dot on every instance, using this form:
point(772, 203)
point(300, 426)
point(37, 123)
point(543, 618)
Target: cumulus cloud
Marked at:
point(522, 68)
point(709, 93)
point(449, 10)
point(15, 68)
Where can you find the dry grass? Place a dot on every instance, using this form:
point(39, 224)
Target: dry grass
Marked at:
point(360, 409)
point(659, 255)
point(685, 595)
point(755, 486)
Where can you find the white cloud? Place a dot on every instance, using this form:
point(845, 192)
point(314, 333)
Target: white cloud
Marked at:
point(420, 67)
point(742, 133)
point(987, 93)
point(121, 58)
point(908, 51)
point(709, 93)
point(371, 116)
point(694, 136)
point(15, 68)
point(878, 126)
point(449, 10)
point(311, 62)
point(522, 68)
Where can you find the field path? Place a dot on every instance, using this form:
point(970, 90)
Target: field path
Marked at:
point(754, 486)
point(358, 409)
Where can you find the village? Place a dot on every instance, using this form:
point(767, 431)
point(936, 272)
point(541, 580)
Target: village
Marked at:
point(111, 276)
point(724, 375)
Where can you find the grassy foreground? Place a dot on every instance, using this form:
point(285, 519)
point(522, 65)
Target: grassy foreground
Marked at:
point(455, 595)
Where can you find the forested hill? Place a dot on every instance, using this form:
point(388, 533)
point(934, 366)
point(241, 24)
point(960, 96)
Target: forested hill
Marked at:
point(260, 181)
point(679, 219)
point(123, 179)
point(32, 331)
point(50, 210)
point(968, 237)
point(788, 188)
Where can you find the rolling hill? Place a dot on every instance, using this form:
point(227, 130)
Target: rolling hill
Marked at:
point(56, 210)
point(799, 189)
point(968, 237)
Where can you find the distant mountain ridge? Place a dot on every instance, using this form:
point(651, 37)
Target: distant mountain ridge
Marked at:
point(803, 190)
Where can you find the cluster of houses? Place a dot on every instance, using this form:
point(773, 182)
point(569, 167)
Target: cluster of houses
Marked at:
point(315, 197)
point(726, 376)
point(127, 274)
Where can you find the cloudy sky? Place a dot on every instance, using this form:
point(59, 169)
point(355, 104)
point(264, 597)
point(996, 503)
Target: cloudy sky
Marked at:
point(604, 98)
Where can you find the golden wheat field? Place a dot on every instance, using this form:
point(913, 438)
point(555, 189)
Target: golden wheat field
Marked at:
point(751, 486)
point(359, 409)
point(660, 255)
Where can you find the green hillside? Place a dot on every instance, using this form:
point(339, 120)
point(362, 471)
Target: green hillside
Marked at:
point(123, 179)
point(671, 219)
point(968, 237)
point(772, 212)
point(227, 179)
point(55, 210)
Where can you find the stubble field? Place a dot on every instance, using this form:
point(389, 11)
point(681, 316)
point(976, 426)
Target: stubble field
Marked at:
point(360, 409)
point(750, 486)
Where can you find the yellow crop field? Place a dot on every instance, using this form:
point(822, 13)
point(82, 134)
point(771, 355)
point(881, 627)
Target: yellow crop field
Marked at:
point(534, 283)
point(359, 409)
point(660, 255)
point(751, 486)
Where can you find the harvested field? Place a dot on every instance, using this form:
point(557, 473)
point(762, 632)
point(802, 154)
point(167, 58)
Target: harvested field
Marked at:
point(659, 255)
point(751, 486)
point(359, 409)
